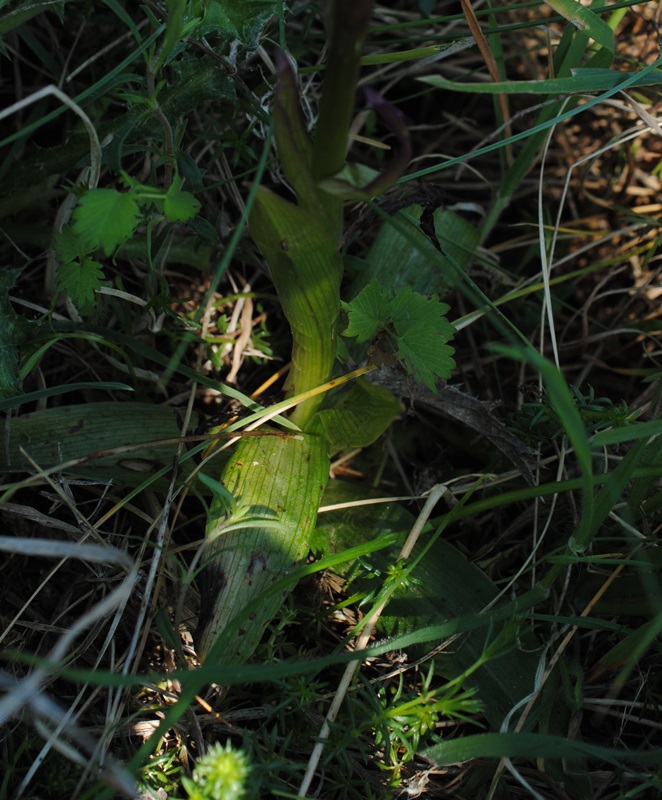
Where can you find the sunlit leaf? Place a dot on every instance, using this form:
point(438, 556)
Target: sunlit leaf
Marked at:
point(359, 417)
point(415, 325)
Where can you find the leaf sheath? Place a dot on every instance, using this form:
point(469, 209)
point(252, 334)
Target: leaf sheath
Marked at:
point(277, 483)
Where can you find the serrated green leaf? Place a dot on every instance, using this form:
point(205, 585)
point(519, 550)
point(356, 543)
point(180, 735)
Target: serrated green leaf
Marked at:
point(425, 355)
point(81, 281)
point(106, 218)
point(239, 19)
point(421, 333)
point(68, 246)
point(180, 206)
point(416, 324)
point(411, 308)
point(367, 311)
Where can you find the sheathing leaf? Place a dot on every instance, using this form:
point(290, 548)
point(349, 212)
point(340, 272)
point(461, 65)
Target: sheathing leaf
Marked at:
point(276, 481)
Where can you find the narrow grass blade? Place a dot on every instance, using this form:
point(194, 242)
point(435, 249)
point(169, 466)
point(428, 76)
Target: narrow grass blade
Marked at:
point(586, 20)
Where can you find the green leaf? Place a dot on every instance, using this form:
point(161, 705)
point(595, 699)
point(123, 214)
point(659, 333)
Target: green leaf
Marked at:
point(531, 746)
point(412, 308)
point(239, 19)
point(81, 280)
point(106, 218)
point(582, 81)
point(398, 260)
point(416, 325)
point(109, 441)
point(68, 246)
point(443, 585)
point(293, 141)
point(367, 312)
point(425, 357)
point(277, 480)
point(359, 417)
point(180, 206)
point(422, 330)
point(306, 267)
point(585, 20)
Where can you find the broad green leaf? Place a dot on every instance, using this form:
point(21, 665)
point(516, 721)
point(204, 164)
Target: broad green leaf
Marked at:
point(293, 141)
point(367, 312)
point(81, 280)
point(531, 746)
point(444, 585)
point(425, 355)
point(180, 206)
point(415, 325)
point(347, 182)
point(89, 433)
point(422, 331)
point(279, 481)
point(106, 218)
point(410, 308)
point(359, 417)
point(394, 261)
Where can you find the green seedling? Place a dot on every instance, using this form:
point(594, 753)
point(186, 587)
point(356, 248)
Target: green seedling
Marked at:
point(104, 220)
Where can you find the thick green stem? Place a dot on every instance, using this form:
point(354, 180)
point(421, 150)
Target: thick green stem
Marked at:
point(306, 267)
point(348, 24)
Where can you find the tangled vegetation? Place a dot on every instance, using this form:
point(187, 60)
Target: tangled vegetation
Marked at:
point(329, 367)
